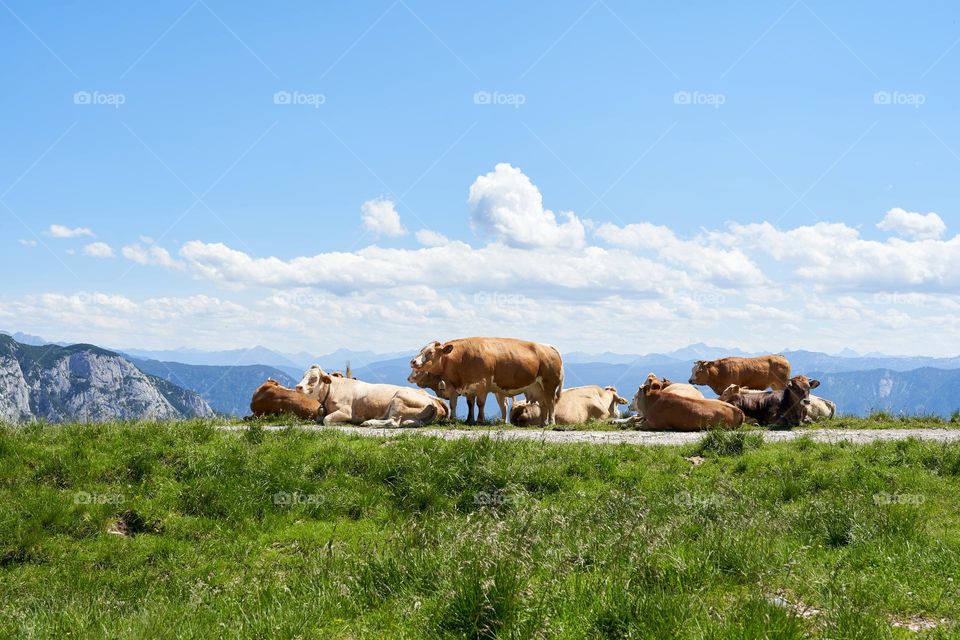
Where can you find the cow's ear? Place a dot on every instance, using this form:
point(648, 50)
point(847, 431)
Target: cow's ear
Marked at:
point(656, 386)
point(447, 348)
point(325, 379)
point(814, 384)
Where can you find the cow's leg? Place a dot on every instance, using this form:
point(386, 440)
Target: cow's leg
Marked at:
point(481, 402)
point(502, 402)
point(340, 416)
point(548, 406)
point(453, 397)
point(424, 416)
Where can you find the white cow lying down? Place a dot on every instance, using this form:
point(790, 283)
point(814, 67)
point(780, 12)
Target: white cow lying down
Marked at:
point(576, 405)
point(344, 400)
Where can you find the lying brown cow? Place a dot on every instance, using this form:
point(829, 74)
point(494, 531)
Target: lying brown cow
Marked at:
point(753, 373)
point(426, 380)
point(496, 365)
point(345, 400)
point(576, 406)
point(671, 412)
point(781, 408)
point(271, 399)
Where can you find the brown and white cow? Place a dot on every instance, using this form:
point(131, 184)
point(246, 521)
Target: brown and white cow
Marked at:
point(345, 400)
point(671, 412)
point(426, 380)
point(786, 407)
point(667, 386)
point(753, 373)
point(496, 365)
point(576, 406)
point(816, 409)
point(271, 399)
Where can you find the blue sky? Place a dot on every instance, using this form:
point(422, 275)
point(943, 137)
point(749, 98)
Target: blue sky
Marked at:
point(813, 119)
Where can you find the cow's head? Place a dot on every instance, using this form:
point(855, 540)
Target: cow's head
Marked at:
point(426, 380)
point(313, 380)
point(615, 399)
point(730, 393)
point(797, 396)
point(524, 413)
point(703, 371)
point(429, 358)
point(640, 398)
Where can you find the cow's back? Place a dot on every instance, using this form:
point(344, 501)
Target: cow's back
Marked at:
point(753, 373)
point(508, 363)
point(680, 413)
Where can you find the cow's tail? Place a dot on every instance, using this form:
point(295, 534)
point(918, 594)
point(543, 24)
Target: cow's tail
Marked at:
point(560, 381)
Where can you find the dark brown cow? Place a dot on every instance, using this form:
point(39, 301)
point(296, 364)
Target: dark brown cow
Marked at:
point(272, 399)
point(781, 408)
point(753, 373)
point(672, 412)
point(496, 365)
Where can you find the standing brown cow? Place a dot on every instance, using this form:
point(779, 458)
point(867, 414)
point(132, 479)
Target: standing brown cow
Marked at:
point(496, 365)
point(753, 373)
point(426, 380)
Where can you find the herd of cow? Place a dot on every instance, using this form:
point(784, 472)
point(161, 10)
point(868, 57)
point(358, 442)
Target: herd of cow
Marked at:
point(756, 390)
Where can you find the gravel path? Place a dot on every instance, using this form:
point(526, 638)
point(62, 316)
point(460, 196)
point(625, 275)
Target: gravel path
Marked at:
point(856, 436)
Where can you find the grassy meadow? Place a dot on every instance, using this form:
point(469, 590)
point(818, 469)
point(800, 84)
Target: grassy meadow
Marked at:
point(185, 531)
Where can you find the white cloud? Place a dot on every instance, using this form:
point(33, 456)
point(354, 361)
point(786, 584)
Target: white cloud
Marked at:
point(508, 207)
point(430, 238)
point(151, 255)
point(724, 267)
point(913, 225)
point(833, 256)
point(27, 243)
point(98, 250)
point(380, 216)
point(60, 231)
point(592, 272)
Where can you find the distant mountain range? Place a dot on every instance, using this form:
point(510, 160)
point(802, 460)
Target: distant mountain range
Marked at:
point(227, 389)
point(858, 383)
point(85, 383)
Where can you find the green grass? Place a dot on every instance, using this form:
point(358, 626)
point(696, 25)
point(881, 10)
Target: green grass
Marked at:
point(296, 534)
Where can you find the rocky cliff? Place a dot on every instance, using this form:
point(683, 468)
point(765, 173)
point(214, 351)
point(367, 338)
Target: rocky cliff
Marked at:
point(84, 383)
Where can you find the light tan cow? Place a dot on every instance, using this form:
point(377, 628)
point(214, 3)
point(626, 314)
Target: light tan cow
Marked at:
point(345, 400)
point(496, 365)
point(753, 373)
point(426, 380)
point(576, 406)
point(670, 412)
